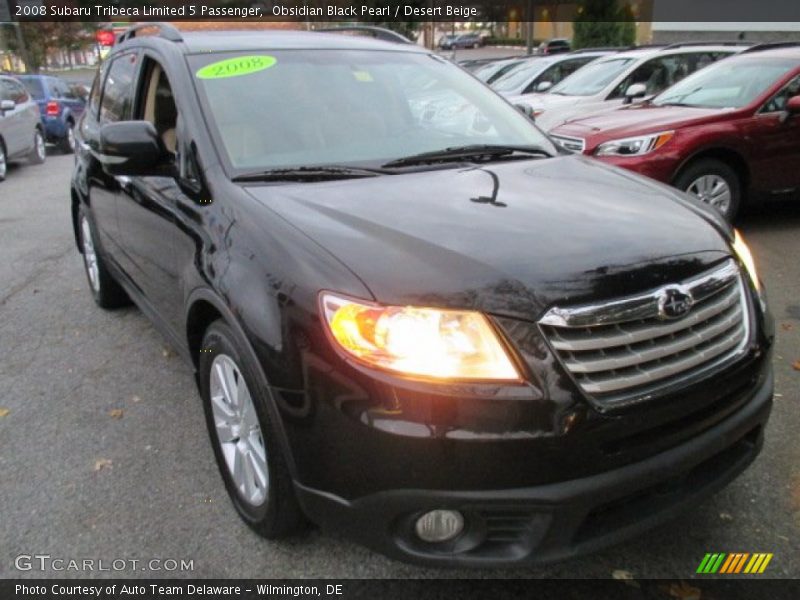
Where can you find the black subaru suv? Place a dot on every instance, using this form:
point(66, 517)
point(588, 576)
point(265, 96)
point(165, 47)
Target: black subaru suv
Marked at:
point(411, 317)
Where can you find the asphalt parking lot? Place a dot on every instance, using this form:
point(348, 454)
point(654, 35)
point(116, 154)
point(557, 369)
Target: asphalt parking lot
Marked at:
point(104, 453)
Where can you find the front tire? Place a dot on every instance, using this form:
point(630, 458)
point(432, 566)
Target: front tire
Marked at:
point(244, 438)
point(715, 183)
point(3, 162)
point(107, 293)
point(38, 153)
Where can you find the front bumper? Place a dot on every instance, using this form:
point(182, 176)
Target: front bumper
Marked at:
point(558, 520)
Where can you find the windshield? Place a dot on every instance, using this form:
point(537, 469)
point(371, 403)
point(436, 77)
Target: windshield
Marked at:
point(292, 108)
point(727, 84)
point(521, 76)
point(592, 78)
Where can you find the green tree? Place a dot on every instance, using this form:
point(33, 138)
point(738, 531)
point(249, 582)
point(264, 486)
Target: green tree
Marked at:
point(42, 38)
point(627, 26)
point(38, 38)
point(603, 23)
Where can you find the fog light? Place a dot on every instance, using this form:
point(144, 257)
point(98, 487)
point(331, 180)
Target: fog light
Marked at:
point(439, 525)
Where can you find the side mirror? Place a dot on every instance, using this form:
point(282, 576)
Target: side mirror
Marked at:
point(793, 105)
point(7, 105)
point(543, 86)
point(526, 110)
point(133, 148)
point(637, 90)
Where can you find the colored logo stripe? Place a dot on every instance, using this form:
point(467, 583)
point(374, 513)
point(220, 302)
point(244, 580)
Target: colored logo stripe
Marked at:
point(758, 563)
point(734, 563)
point(711, 563)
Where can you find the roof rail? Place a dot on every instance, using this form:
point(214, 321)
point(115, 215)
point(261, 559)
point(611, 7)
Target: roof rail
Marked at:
point(380, 33)
point(604, 48)
point(165, 30)
point(772, 46)
point(708, 43)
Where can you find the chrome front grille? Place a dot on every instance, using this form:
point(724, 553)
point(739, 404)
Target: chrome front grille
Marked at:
point(631, 346)
point(569, 143)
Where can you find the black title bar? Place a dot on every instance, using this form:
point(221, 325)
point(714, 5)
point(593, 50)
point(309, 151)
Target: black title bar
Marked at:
point(774, 11)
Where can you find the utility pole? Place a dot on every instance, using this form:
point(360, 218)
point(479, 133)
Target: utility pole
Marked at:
point(529, 27)
point(22, 49)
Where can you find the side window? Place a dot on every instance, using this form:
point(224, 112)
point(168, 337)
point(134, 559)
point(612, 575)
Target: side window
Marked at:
point(558, 72)
point(17, 92)
point(157, 104)
point(778, 101)
point(94, 94)
point(655, 74)
point(64, 91)
point(117, 98)
point(5, 90)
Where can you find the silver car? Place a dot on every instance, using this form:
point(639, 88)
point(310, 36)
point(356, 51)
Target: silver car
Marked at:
point(21, 135)
point(620, 78)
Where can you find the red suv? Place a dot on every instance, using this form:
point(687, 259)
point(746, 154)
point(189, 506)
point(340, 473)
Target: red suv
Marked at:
point(729, 132)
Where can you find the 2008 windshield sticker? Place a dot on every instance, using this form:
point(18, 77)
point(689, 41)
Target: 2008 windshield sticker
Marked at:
point(235, 67)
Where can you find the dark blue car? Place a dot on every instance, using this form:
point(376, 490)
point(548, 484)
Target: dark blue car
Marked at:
point(59, 106)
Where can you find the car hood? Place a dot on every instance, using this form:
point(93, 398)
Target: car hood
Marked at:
point(511, 238)
point(634, 120)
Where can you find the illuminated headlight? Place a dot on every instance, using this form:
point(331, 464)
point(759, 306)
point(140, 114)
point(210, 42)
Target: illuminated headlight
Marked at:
point(742, 251)
point(419, 342)
point(634, 146)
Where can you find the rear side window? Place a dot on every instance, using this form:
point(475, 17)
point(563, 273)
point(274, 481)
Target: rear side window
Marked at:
point(34, 87)
point(118, 90)
point(61, 89)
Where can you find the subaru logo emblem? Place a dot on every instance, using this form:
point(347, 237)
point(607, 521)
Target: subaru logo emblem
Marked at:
point(674, 302)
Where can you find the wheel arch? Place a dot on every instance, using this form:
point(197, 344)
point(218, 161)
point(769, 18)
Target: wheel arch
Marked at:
point(75, 202)
point(729, 156)
point(205, 307)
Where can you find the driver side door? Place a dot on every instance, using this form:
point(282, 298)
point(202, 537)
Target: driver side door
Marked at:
point(147, 205)
point(775, 138)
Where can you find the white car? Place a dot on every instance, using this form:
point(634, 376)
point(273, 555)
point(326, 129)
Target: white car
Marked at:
point(619, 78)
point(540, 73)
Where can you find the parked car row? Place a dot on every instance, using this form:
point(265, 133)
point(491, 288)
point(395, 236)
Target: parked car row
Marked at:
point(36, 110)
point(726, 132)
point(21, 129)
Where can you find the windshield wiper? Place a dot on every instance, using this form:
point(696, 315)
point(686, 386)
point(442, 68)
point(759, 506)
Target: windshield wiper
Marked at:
point(462, 152)
point(321, 173)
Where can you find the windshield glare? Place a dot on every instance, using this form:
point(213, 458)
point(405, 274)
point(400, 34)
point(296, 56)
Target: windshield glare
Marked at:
point(350, 107)
point(727, 84)
point(592, 78)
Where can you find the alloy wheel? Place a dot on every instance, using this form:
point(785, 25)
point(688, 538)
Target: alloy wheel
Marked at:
point(3, 163)
point(90, 255)
point(41, 148)
point(713, 190)
point(238, 430)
